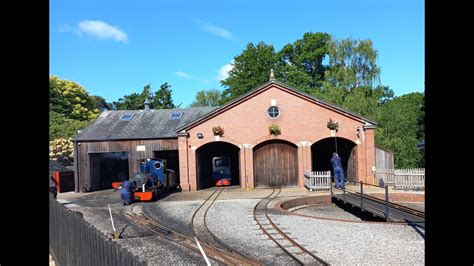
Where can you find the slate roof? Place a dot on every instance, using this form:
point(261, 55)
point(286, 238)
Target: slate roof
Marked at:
point(150, 124)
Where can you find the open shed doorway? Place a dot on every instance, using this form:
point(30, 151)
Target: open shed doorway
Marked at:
point(108, 167)
point(204, 162)
point(172, 160)
point(321, 154)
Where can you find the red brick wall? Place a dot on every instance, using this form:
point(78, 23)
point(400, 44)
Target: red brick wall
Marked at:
point(401, 197)
point(302, 123)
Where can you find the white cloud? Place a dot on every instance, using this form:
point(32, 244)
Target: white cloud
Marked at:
point(101, 30)
point(181, 74)
point(224, 71)
point(218, 31)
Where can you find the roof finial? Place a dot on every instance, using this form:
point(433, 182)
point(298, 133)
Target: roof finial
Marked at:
point(272, 76)
point(147, 104)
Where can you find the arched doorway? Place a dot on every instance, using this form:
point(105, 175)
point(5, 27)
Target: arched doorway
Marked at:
point(275, 164)
point(204, 162)
point(321, 154)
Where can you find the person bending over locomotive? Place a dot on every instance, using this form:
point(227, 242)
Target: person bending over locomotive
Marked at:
point(127, 192)
point(338, 171)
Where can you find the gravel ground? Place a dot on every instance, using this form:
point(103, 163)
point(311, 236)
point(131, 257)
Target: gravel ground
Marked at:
point(175, 215)
point(238, 229)
point(140, 242)
point(232, 220)
point(343, 243)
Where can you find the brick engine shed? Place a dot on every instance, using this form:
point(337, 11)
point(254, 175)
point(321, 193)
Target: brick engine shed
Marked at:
point(109, 148)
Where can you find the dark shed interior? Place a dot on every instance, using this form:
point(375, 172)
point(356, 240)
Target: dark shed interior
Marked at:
point(204, 157)
point(108, 167)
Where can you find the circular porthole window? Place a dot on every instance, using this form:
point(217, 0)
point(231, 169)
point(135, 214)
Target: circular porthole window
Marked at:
point(157, 165)
point(273, 112)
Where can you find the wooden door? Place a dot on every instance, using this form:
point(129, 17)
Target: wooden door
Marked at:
point(352, 166)
point(276, 165)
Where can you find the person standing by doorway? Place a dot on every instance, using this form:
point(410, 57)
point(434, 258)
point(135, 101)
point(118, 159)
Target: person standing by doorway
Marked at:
point(337, 170)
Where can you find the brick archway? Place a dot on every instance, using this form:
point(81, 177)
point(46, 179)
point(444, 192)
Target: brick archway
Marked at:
point(206, 173)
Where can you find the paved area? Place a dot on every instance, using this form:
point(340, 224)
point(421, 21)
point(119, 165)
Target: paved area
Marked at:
point(231, 218)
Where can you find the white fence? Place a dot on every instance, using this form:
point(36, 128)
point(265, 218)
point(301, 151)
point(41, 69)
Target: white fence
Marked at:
point(386, 175)
point(401, 178)
point(317, 180)
point(409, 179)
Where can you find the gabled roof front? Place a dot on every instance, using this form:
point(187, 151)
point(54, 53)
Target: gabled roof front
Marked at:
point(284, 87)
point(150, 124)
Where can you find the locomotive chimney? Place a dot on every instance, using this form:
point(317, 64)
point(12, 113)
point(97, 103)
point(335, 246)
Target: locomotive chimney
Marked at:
point(147, 105)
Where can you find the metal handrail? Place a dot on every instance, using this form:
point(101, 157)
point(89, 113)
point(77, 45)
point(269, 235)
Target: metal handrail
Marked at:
point(362, 196)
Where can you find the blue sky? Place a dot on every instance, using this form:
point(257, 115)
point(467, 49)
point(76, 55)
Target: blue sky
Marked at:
point(115, 47)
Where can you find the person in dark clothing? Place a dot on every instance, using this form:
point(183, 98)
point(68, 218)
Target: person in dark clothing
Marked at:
point(52, 187)
point(126, 194)
point(338, 171)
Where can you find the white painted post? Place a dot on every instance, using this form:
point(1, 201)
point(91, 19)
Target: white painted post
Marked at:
point(111, 219)
point(202, 252)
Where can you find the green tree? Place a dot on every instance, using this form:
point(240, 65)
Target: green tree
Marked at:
point(300, 64)
point(352, 64)
point(161, 99)
point(70, 99)
point(134, 101)
point(399, 129)
point(207, 98)
point(101, 104)
point(61, 126)
point(352, 78)
point(250, 69)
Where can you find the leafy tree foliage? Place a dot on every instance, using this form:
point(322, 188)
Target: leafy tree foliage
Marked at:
point(62, 127)
point(300, 64)
point(70, 99)
point(161, 99)
point(71, 108)
point(400, 127)
point(207, 98)
point(250, 69)
point(101, 104)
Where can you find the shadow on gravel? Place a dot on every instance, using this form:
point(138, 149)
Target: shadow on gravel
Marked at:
point(364, 216)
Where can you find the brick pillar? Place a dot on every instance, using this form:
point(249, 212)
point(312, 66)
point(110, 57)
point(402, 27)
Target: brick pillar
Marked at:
point(304, 162)
point(249, 167)
point(370, 154)
point(183, 161)
point(361, 161)
point(242, 168)
point(192, 168)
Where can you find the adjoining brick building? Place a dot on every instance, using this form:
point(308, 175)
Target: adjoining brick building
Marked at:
point(257, 158)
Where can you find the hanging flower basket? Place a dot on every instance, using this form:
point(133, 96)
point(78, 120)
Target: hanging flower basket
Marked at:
point(218, 131)
point(332, 125)
point(274, 130)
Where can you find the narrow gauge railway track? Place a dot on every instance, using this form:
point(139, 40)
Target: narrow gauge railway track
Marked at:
point(206, 236)
point(286, 243)
point(221, 257)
